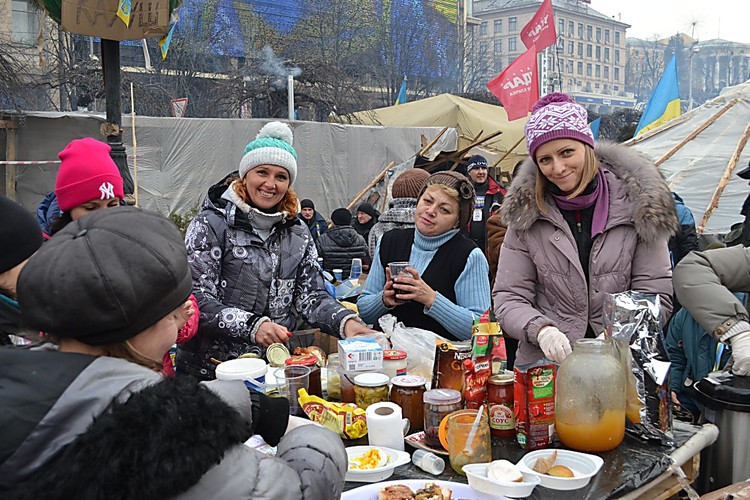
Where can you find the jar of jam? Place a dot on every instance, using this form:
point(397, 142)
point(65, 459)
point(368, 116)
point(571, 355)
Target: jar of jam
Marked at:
point(394, 362)
point(500, 402)
point(370, 388)
point(407, 391)
point(437, 404)
point(314, 388)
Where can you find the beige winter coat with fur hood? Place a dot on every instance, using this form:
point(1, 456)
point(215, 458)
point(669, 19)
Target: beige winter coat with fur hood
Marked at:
point(540, 279)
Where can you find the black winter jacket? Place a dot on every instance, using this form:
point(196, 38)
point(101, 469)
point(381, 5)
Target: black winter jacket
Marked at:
point(339, 246)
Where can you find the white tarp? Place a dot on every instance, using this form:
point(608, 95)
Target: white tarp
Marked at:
point(179, 158)
point(695, 170)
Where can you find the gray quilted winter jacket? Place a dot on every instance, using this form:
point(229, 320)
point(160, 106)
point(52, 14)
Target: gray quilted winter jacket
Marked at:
point(240, 280)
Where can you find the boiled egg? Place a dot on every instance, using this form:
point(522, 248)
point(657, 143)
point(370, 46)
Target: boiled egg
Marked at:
point(371, 459)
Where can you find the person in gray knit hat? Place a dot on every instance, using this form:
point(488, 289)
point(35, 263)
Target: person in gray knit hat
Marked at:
point(109, 289)
point(254, 263)
point(400, 213)
point(445, 285)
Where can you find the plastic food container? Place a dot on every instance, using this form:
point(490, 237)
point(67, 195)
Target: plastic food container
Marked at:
point(370, 388)
point(477, 475)
point(583, 465)
point(250, 370)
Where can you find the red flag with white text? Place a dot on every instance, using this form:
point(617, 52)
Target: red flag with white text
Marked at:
point(540, 31)
point(517, 86)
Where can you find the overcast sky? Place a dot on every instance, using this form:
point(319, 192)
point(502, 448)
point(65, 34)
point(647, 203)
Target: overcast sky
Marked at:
point(727, 19)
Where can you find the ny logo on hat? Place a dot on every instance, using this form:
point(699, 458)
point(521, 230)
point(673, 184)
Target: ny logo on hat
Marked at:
point(107, 190)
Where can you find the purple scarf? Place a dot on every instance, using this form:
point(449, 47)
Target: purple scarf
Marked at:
point(600, 196)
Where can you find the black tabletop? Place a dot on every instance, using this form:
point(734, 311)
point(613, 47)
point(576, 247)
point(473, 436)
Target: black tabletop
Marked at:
point(626, 468)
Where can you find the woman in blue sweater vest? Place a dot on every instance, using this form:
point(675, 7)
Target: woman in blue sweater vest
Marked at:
point(446, 285)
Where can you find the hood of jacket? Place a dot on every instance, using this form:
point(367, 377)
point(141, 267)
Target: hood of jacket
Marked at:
point(653, 209)
point(215, 202)
point(344, 236)
point(495, 187)
point(47, 212)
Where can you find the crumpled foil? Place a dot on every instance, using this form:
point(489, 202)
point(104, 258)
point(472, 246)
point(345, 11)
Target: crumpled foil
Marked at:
point(632, 320)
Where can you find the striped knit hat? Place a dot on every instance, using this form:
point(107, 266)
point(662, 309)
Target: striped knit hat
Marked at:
point(557, 116)
point(272, 146)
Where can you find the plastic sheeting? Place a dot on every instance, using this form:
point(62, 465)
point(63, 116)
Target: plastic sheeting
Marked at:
point(695, 170)
point(179, 158)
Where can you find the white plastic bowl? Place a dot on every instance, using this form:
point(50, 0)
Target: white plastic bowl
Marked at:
point(477, 474)
point(395, 458)
point(584, 467)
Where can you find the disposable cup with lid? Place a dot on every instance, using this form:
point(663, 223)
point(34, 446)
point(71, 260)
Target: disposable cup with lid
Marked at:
point(371, 379)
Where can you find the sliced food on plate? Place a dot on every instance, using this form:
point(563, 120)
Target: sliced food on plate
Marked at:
point(431, 491)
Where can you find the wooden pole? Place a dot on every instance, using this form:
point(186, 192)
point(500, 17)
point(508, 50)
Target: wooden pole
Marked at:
point(371, 185)
point(696, 132)
point(135, 145)
point(509, 151)
point(714, 204)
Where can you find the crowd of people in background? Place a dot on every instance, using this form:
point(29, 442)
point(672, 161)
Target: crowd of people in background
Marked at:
point(93, 295)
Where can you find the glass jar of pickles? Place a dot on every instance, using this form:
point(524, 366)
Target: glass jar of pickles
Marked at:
point(407, 391)
point(333, 379)
point(437, 404)
point(370, 388)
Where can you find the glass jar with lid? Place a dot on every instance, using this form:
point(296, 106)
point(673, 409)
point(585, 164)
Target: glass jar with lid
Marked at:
point(333, 379)
point(370, 388)
point(407, 391)
point(590, 400)
point(500, 403)
point(438, 403)
point(394, 362)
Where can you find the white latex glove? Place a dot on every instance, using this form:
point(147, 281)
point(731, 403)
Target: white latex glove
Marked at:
point(741, 353)
point(554, 344)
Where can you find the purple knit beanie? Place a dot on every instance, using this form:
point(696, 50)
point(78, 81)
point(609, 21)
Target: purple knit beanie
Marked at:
point(557, 116)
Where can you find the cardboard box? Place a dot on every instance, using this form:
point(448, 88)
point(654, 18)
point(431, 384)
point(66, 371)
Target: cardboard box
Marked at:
point(148, 18)
point(360, 354)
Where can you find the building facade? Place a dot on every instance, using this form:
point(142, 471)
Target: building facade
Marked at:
point(588, 61)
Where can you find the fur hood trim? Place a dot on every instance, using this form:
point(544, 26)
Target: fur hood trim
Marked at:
point(653, 211)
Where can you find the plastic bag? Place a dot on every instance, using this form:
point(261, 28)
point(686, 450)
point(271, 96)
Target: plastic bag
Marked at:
point(632, 320)
point(419, 345)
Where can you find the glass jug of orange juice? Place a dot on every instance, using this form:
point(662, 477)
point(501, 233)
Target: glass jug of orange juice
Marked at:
point(590, 400)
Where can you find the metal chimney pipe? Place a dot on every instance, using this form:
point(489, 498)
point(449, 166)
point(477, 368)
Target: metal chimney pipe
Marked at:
point(290, 95)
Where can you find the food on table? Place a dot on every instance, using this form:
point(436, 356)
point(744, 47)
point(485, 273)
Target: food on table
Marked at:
point(543, 464)
point(396, 492)
point(432, 491)
point(315, 351)
point(504, 472)
point(560, 471)
point(347, 420)
point(371, 459)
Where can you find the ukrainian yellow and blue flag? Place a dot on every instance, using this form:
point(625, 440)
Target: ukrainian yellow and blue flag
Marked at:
point(401, 97)
point(664, 103)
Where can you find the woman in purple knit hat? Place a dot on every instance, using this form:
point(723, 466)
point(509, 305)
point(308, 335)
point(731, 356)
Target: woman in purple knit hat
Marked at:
point(583, 220)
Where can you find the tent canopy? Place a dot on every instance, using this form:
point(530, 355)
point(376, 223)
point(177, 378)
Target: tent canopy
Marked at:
point(695, 170)
point(468, 117)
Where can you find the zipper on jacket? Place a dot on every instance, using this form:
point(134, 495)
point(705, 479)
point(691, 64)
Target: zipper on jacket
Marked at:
point(578, 221)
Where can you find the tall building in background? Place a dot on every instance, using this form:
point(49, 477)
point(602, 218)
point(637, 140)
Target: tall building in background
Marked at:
point(588, 61)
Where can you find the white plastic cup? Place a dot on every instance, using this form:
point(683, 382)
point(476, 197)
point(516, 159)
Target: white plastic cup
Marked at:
point(250, 370)
point(338, 274)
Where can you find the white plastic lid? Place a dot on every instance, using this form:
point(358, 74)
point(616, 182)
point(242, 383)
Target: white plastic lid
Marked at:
point(241, 369)
point(371, 379)
point(408, 380)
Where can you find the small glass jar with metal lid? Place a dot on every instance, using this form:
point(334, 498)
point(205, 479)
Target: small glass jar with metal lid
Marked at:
point(500, 403)
point(407, 391)
point(370, 388)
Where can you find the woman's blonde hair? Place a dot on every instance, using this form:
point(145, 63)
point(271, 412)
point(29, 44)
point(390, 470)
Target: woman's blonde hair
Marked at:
point(124, 350)
point(452, 193)
point(590, 170)
point(289, 203)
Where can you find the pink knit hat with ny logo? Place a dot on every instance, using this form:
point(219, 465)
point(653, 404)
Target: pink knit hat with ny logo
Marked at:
point(87, 172)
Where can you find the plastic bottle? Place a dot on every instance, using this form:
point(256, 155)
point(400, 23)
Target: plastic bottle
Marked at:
point(356, 269)
point(428, 462)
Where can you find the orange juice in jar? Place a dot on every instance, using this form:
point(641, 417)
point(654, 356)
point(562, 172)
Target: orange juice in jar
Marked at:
point(590, 399)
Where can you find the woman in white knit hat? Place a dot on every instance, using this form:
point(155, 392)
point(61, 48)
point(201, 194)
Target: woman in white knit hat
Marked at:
point(253, 261)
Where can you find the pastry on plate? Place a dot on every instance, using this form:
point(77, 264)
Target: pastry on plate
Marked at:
point(432, 491)
point(396, 492)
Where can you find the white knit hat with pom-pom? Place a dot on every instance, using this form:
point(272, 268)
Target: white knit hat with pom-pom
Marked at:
point(272, 146)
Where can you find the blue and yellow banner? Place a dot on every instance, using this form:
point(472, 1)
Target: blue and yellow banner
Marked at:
point(123, 11)
point(594, 126)
point(664, 103)
point(165, 41)
point(401, 97)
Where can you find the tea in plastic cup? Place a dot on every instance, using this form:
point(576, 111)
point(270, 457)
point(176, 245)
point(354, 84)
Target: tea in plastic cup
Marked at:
point(290, 380)
point(398, 268)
